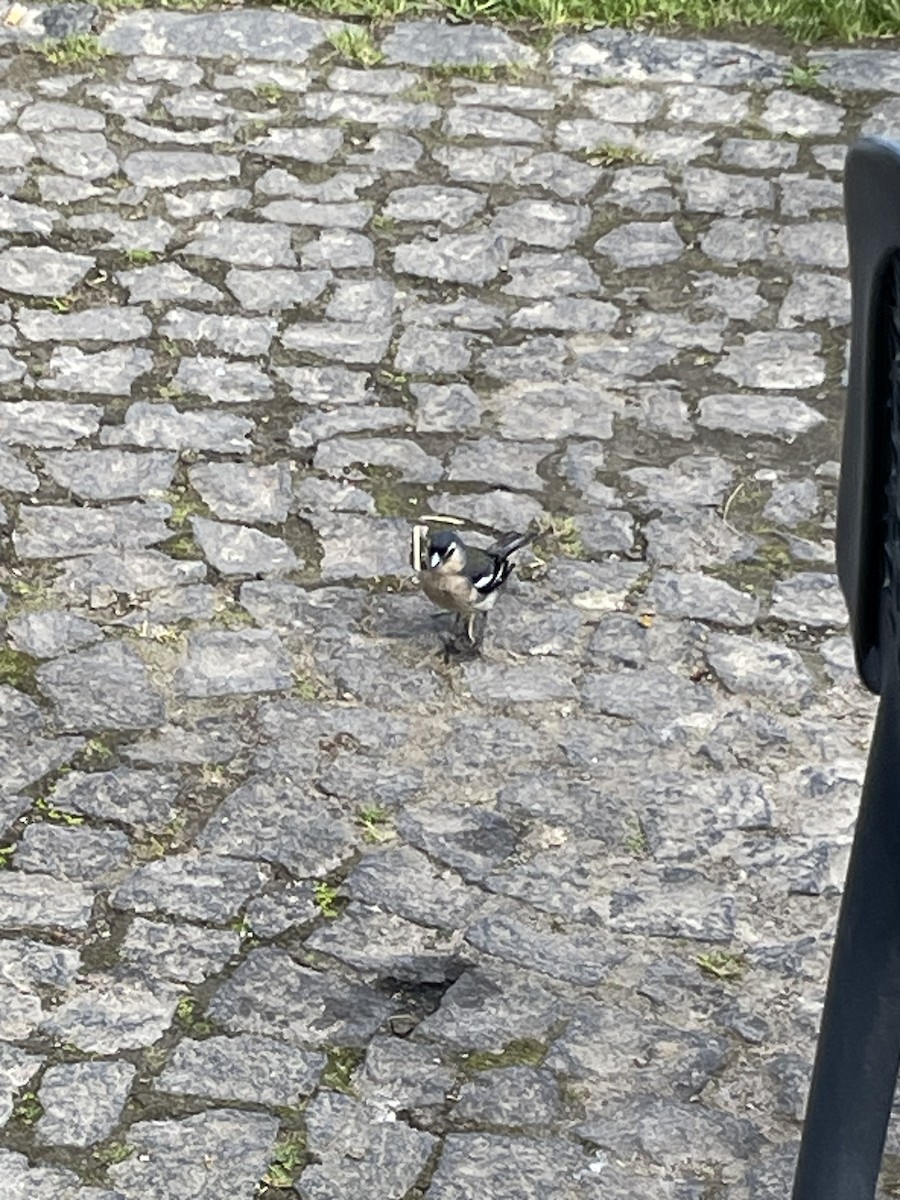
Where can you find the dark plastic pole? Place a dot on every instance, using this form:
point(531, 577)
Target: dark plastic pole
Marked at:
point(859, 1044)
point(855, 1072)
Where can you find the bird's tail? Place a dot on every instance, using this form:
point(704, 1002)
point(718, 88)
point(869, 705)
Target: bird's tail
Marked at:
point(510, 542)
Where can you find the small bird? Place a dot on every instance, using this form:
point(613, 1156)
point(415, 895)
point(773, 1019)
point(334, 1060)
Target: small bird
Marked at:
point(465, 580)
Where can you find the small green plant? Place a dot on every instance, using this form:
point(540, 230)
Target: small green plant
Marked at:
point(28, 1108)
point(522, 1052)
point(480, 72)
point(375, 822)
point(288, 1156)
point(114, 1152)
point(356, 45)
point(383, 223)
point(58, 816)
point(326, 899)
point(721, 964)
point(6, 853)
point(16, 668)
point(611, 154)
point(96, 753)
point(559, 536)
point(61, 304)
point(803, 77)
point(305, 687)
point(75, 50)
point(140, 258)
point(342, 1062)
point(635, 840)
point(270, 92)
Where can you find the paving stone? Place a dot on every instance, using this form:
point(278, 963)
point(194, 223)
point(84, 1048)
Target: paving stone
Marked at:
point(82, 1101)
point(383, 945)
point(450, 206)
point(475, 258)
point(815, 244)
point(701, 598)
point(41, 270)
point(51, 633)
point(270, 291)
point(166, 281)
point(338, 248)
point(221, 379)
point(716, 191)
point(21, 1181)
point(271, 822)
point(793, 501)
point(641, 244)
point(652, 696)
point(201, 888)
point(307, 145)
point(104, 373)
point(110, 474)
point(162, 426)
point(403, 1075)
point(857, 70)
point(235, 491)
point(273, 995)
point(809, 599)
point(403, 881)
point(348, 341)
point(179, 953)
point(56, 531)
point(814, 297)
point(232, 663)
point(94, 579)
point(106, 1015)
point(243, 244)
point(269, 36)
point(126, 700)
point(244, 1068)
point(355, 1147)
point(520, 1097)
point(775, 360)
point(244, 336)
point(219, 1154)
point(87, 855)
point(503, 1167)
point(43, 902)
point(759, 668)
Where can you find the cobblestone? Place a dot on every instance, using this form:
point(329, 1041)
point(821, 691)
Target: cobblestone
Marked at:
point(273, 872)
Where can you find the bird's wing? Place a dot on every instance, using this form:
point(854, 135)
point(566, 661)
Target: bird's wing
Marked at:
point(486, 571)
point(507, 543)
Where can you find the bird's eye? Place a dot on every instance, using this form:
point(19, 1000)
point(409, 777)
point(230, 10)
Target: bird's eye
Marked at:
point(434, 559)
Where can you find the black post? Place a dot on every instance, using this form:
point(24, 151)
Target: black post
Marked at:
point(859, 1043)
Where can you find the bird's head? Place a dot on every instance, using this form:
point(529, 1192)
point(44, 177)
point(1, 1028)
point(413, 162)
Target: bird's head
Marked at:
point(445, 552)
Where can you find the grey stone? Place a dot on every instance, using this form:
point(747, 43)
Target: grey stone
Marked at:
point(125, 795)
point(324, 387)
point(15, 476)
point(234, 663)
point(243, 244)
point(739, 240)
point(180, 953)
point(110, 474)
point(42, 902)
point(245, 1068)
point(445, 408)
point(502, 1167)
point(271, 822)
point(219, 1154)
point(815, 244)
point(512, 1097)
point(692, 540)
point(641, 244)
point(86, 156)
point(775, 360)
point(21, 1181)
point(673, 902)
point(55, 531)
point(759, 668)
point(701, 598)
point(866, 70)
point(268, 36)
point(356, 1148)
point(422, 43)
point(619, 54)
point(423, 351)
point(240, 492)
point(450, 206)
point(801, 195)
point(307, 145)
point(41, 423)
point(658, 1128)
point(491, 124)
point(236, 550)
point(104, 687)
point(382, 945)
point(107, 1014)
point(221, 379)
point(276, 912)
point(16, 150)
point(348, 341)
point(104, 373)
point(41, 271)
point(385, 81)
point(170, 168)
point(86, 855)
point(162, 426)
point(197, 887)
point(513, 465)
point(248, 337)
point(338, 248)
point(402, 880)
point(525, 683)
point(311, 212)
point(812, 297)
point(270, 291)
point(271, 994)
point(408, 458)
point(653, 696)
point(542, 223)
point(716, 191)
point(94, 579)
point(757, 155)
point(481, 164)
point(66, 20)
point(574, 955)
point(793, 501)
point(809, 598)
point(217, 202)
point(51, 633)
point(790, 112)
point(455, 258)
point(82, 1101)
point(403, 1075)
point(320, 426)
point(166, 281)
point(536, 276)
point(558, 173)
point(737, 298)
point(783, 417)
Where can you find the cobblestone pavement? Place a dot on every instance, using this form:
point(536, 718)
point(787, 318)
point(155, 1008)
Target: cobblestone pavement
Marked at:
point(287, 902)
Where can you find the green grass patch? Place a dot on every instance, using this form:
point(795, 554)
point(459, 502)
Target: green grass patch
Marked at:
point(17, 669)
point(288, 1156)
point(356, 45)
point(721, 964)
point(523, 1052)
point(76, 50)
point(342, 1062)
point(804, 20)
point(326, 898)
